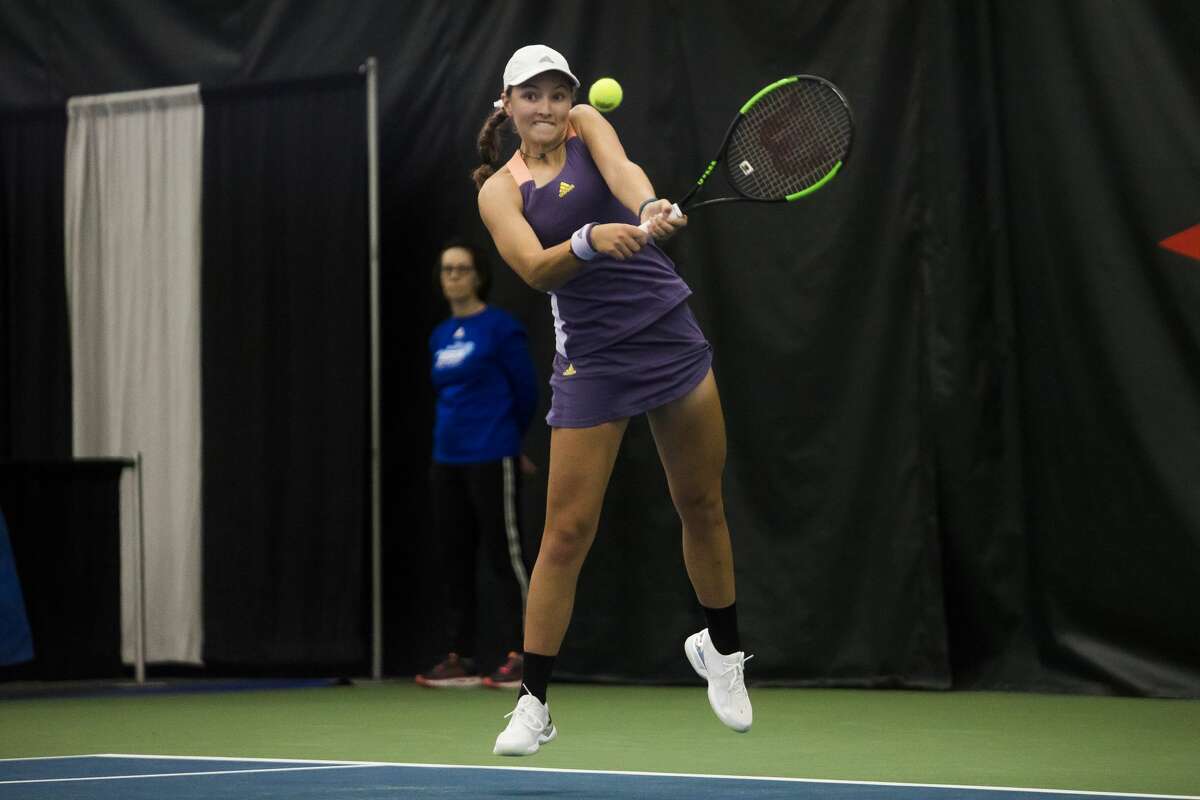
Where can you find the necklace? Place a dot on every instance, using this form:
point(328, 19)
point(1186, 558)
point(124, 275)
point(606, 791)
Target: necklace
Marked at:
point(541, 156)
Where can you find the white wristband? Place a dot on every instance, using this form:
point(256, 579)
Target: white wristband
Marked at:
point(581, 245)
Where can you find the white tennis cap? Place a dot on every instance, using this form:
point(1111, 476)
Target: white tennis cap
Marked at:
point(534, 59)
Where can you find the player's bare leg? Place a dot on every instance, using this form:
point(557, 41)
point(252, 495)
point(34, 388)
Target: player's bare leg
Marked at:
point(581, 461)
point(690, 434)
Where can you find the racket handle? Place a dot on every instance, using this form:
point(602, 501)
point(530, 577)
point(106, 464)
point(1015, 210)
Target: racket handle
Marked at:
point(675, 214)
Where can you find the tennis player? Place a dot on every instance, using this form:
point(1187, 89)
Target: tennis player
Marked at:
point(564, 213)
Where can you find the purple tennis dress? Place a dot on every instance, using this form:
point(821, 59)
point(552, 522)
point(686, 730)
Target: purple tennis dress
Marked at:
point(625, 338)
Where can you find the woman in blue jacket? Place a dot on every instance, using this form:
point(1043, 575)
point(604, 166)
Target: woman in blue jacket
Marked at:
point(486, 395)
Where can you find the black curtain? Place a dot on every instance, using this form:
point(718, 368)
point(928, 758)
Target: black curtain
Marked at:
point(968, 370)
point(1100, 134)
point(285, 362)
point(35, 365)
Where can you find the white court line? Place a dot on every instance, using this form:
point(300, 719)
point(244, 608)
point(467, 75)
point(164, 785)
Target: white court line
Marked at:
point(228, 758)
point(1072, 792)
point(49, 758)
point(186, 774)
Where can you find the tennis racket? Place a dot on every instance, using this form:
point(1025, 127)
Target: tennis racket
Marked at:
point(785, 143)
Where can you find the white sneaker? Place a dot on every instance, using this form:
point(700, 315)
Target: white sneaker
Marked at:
point(529, 727)
point(726, 680)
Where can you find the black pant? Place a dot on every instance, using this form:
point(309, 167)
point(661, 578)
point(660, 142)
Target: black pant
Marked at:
point(474, 505)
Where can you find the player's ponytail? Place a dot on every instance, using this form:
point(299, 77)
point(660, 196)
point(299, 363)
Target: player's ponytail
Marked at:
point(489, 146)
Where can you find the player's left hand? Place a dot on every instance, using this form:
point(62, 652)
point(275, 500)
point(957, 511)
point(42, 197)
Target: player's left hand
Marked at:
point(658, 214)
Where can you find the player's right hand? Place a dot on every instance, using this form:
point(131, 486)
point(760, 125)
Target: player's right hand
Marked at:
point(658, 221)
point(617, 240)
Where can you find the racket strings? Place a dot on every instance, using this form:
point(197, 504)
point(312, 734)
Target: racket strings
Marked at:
point(789, 140)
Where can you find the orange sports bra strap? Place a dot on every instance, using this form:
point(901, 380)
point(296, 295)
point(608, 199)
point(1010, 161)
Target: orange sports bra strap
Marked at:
point(518, 169)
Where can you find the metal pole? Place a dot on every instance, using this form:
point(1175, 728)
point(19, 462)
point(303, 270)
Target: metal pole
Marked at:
point(372, 70)
point(140, 657)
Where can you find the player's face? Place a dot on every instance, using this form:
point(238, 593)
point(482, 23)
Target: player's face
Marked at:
point(539, 108)
point(459, 279)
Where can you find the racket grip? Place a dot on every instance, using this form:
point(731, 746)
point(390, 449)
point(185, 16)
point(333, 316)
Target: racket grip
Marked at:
point(675, 214)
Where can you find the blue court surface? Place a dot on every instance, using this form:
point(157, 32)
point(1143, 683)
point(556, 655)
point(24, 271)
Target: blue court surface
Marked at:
point(108, 777)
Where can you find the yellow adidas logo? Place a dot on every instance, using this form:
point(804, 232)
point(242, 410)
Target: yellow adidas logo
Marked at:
point(564, 187)
point(569, 371)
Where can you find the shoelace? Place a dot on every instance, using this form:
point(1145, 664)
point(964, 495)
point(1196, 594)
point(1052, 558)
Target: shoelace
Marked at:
point(527, 718)
point(737, 684)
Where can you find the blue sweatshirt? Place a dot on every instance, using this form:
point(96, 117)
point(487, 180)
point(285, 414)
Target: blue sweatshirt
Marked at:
point(486, 387)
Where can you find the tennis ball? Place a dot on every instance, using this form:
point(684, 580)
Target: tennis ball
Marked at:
point(605, 94)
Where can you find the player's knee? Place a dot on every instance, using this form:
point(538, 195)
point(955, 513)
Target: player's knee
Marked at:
point(702, 512)
point(566, 542)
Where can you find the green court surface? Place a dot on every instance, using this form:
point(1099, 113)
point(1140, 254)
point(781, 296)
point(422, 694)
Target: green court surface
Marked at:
point(1101, 744)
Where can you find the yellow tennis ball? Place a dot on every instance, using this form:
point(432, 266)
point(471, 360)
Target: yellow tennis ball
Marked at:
point(605, 94)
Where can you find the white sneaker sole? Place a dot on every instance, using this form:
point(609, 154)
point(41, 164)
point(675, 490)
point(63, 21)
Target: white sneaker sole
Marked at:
point(450, 683)
point(544, 738)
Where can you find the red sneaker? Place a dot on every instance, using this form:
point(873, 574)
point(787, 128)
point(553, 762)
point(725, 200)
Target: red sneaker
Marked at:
point(509, 674)
point(451, 673)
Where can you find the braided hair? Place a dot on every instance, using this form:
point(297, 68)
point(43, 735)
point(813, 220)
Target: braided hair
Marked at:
point(489, 146)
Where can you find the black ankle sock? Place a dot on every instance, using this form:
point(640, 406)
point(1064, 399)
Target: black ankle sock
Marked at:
point(537, 675)
point(723, 628)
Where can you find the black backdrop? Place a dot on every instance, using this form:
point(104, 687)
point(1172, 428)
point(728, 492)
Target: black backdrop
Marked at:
point(284, 335)
point(962, 383)
point(35, 367)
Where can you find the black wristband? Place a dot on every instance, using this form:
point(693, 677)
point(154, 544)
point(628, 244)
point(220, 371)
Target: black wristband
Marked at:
point(645, 203)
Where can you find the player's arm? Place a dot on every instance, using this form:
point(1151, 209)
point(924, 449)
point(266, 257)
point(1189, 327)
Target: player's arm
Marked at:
point(500, 208)
point(545, 269)
point(625, 179)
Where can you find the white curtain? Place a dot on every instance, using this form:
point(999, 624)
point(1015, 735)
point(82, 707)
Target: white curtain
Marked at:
point(132, 208)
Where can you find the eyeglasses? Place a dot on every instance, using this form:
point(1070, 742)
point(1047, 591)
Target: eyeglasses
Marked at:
point(461, 269)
